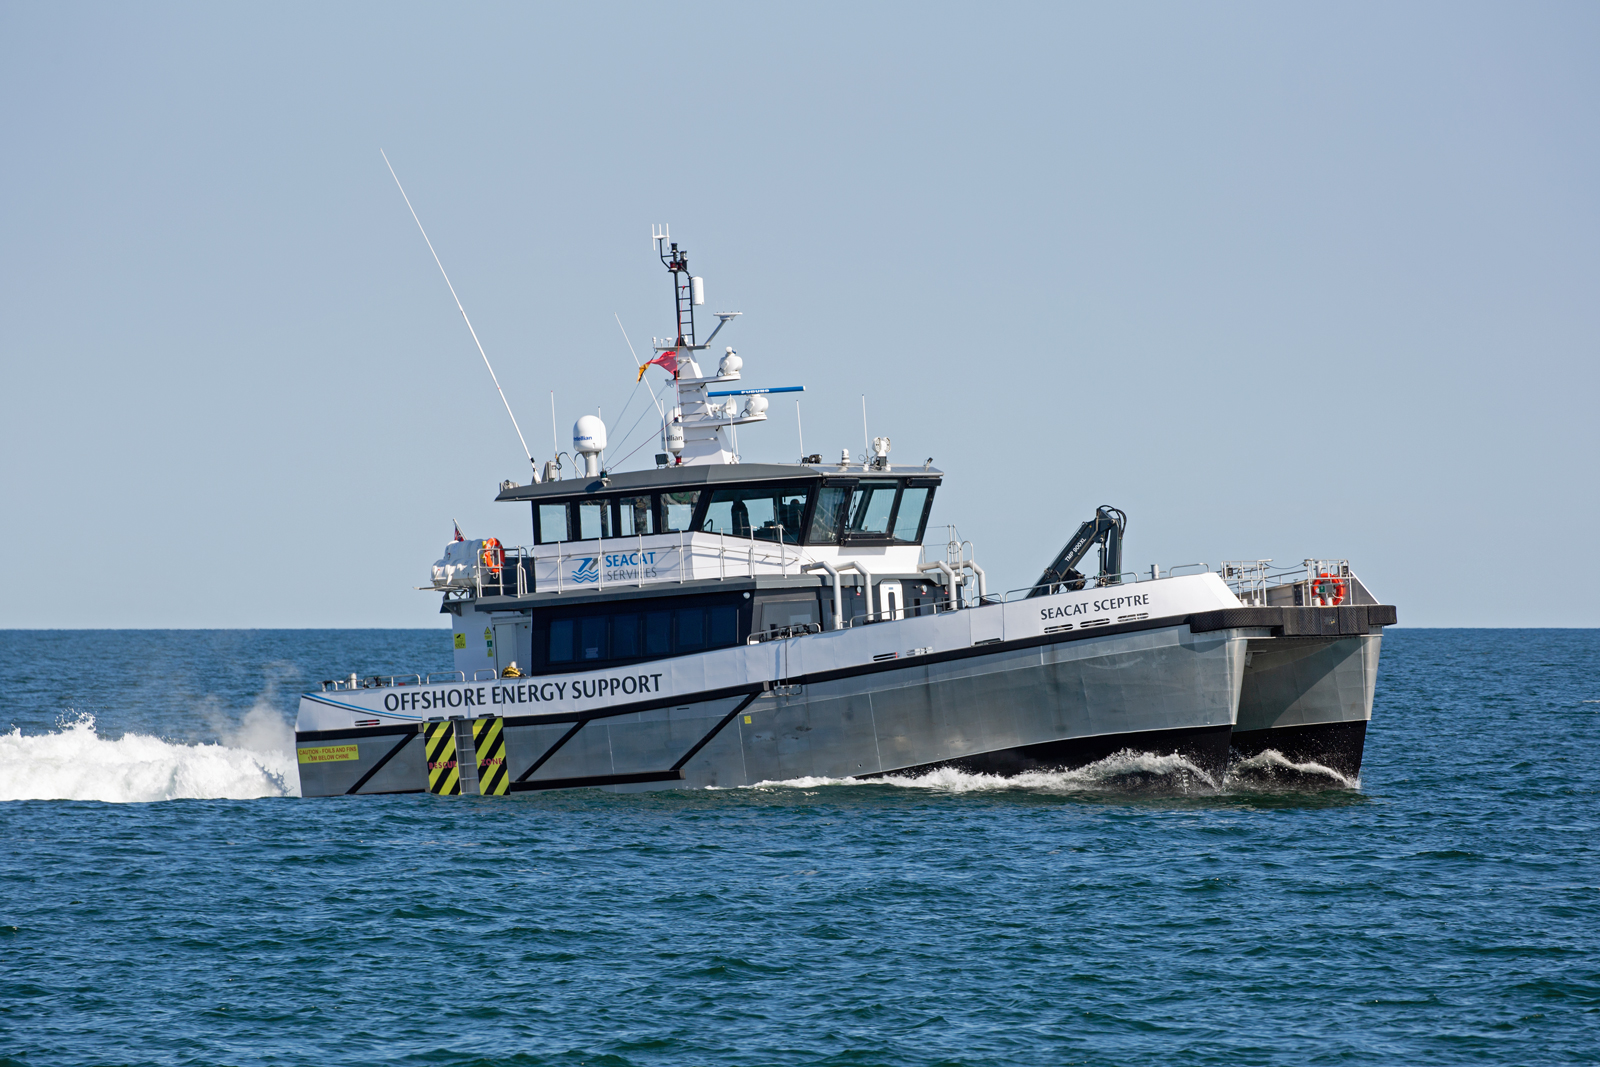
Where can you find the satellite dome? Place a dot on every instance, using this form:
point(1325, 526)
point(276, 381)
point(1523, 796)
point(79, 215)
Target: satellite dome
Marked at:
point(588, 435)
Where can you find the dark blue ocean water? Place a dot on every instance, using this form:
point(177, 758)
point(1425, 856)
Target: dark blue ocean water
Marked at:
point(1447, 910)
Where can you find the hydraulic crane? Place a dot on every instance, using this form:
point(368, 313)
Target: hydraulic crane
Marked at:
point(1105, 529)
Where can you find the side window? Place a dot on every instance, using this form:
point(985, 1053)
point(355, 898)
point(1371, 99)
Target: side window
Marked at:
point(870, 511)
point(677, 510)
point(634, 516)
point(908, 520)
point(825, 523)
point(724, 625)
point(561, 641)
point(791, 513)
point(625, 636)
point(593, 644)
point(594, 520)
point(657, 633)
point(767, 514)
point(722, 518)
point(691, 629)
point(550, 523)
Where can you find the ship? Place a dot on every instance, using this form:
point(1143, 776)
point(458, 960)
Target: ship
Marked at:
point(708, 622)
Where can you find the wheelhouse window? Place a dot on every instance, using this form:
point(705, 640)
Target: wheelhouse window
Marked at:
point(635, 516)
point(909, 516)
point(550, 523)
point(829, 516)
point(873, 508)
point(677, 510)
point(594, 520)
point(767, 513)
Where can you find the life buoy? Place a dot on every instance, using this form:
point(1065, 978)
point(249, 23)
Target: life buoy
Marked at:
point(493, 555)
point(1329, 588)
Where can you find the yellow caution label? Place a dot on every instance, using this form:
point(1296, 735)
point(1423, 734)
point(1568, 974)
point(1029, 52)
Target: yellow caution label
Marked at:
point(439, 740)
point(489, 741)
point(461, 640)
point(330, 754)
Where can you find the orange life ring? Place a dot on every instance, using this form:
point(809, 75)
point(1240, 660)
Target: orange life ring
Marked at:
point(493, 555)
point(1329, 588)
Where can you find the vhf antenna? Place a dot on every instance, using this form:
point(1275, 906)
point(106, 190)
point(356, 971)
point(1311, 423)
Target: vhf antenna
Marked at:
point(463, 311)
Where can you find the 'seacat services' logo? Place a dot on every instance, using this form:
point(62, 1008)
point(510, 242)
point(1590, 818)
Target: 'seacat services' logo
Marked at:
point(587, 570)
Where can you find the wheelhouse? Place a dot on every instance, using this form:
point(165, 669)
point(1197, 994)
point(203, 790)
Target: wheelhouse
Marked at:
point(646, 565)
point(801, 507)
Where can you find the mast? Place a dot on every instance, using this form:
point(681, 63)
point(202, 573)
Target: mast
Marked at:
point(687, 291)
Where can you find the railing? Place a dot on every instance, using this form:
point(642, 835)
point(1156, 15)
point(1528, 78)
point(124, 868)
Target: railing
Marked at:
point(1314, 583)
point(960, 555)
point(779, 633)
point(891, 614)
point(511, 578)
point(643, 559)
point(372, 682)
point(1105, 581)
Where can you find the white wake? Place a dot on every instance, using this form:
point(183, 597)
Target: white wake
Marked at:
point(1122, 772)
point(1271, 769)
point(1127, 771)
point(256, 759)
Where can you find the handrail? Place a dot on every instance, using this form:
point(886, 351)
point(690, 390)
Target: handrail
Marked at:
point(1250, 579)
point(779, 633)
point(460, 676)
point(890, 614)
point(1091, 581)
point(519, 575)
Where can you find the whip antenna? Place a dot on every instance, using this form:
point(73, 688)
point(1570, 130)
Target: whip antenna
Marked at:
point(463, 311)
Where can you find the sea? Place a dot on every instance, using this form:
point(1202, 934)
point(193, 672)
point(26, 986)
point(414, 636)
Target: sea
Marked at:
point(167, 898)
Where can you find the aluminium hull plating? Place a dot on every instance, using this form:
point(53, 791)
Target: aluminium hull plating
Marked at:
point(1309, 698)
point(1003, 707)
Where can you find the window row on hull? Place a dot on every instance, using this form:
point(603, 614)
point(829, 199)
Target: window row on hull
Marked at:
point(633, 631)
point(563, 640)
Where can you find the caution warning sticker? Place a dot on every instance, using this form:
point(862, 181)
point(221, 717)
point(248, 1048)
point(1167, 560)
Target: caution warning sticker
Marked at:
point(330, 754)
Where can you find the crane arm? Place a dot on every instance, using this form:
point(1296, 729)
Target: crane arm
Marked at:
point(1105, 529)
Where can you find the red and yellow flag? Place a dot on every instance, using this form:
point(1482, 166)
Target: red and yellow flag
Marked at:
point(667, 361)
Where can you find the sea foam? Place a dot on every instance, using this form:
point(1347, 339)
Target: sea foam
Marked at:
point(75, 763)
point(1125, 771)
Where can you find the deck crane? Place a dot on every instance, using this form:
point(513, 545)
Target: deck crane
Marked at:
point(1105, 529)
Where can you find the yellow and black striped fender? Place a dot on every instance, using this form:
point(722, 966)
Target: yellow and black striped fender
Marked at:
point(489, 741)
point(439, 743)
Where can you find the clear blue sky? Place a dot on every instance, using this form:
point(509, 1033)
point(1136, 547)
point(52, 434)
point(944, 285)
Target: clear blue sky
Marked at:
point(1278, 280)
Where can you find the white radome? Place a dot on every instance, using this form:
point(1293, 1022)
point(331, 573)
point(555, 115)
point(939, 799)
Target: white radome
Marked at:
point(588, 435)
